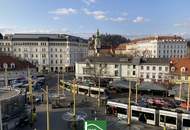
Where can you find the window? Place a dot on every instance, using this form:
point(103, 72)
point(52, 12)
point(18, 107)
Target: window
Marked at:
point(142, 67)
point(116, 66)
point(60, 61)
point(147, 67)
point(160, 68)
point(134, 73)
point(147, 76)
point(186, 123)
point(153, 76)
point(134, 66)
point(56, 61)
point(153, 68)
point(51, 55)
point(44, 61)
point(60, 55)
point(51, 61)
point(168, 119)
point(116, 73)
point(166, 68)
point(141, 75)
point(55, 55)
point(12, 65)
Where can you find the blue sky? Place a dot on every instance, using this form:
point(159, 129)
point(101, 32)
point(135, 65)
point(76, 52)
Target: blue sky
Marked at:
point(83, 17)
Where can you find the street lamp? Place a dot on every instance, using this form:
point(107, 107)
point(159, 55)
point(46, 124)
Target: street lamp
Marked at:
point(47, 106)
point(1, 123)
point(58, 82)
point(180, 87)
point(136, 93)
point(129, 105)
point(188, 94)
point(6, 75)
point(74, 91)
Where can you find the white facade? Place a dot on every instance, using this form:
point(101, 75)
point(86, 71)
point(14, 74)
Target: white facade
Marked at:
point(149, 72)
point(154, 72)
point(158, 47)
point(49, 53)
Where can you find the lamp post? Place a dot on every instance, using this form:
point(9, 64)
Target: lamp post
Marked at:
point(74, 89)
point(1, 123)
point(188, 94)
point(30, 89)
point(136, 87)
point(58, 82)
point(180, 87)
point(47, 107)
point(6, 75)
point(129, 106)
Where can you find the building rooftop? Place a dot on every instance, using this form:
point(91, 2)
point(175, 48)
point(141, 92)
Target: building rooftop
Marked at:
point(126, 60)
point(177, 65)
point(43, 37)
point(14, 63)
point(158, 38)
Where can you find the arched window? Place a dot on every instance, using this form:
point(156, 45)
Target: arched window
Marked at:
point(5, 65)
point(13, 66)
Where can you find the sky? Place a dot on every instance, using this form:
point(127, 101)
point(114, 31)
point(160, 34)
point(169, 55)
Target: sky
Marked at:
point(84, 17)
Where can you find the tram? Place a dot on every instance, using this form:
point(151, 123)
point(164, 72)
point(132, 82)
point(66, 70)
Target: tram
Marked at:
point(147, 115)
point(117, 109)
point(84, 90)
point(95, 90)
point(185, 125)
point(171, 120)
point(168, 119)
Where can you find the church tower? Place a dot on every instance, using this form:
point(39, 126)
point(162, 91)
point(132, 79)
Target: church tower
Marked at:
point(97, 45)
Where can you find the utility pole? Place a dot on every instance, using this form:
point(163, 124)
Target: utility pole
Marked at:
point(30, 89)
point(74, 89)
point(136, 93)
point(180, 87)
point(6, 76)
point(58, 82)
point(188, 94)
point(129, 106)
point(1, 123)
point(99, 92)
point(47, 107)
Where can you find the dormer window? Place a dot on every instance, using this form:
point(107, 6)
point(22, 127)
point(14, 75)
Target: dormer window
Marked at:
point(13, 66)
point(5, 66)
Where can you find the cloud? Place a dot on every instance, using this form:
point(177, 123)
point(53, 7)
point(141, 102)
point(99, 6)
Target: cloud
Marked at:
point(183, 25)
point(89, 2)
point(16, 29)
point(63, 11)
point(124, 14)
point(98, 15)
point(56, 18)
point(139, 19)
point(119, 19)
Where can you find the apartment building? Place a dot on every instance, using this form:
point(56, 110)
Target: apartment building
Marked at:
point(155, 47)
point(50, 52)
point(120, 67)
